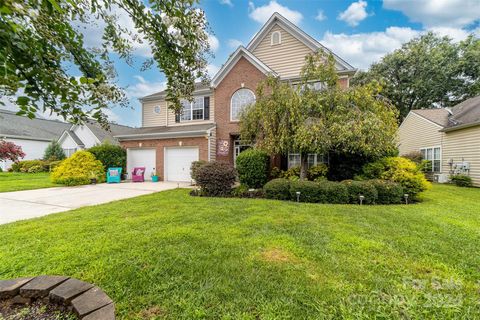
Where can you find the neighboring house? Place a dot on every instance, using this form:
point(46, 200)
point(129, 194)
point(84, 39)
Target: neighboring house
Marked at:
point(78, 137)
point(208, 127)
point(449, 137)
point(33, 135)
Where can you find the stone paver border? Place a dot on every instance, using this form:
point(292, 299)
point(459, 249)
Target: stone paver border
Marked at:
point(86, 300)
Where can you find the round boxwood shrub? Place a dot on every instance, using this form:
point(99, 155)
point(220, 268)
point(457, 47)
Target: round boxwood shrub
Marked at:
point(364, 188)
point(389, 192)
point(278, 189)
point(461, 180)
point(110, 155)
point(309, 191)
point(400, 170)
point(252, 167)
point(216, 178)
point(78, 169)
point(194, 168)
point(333, 192)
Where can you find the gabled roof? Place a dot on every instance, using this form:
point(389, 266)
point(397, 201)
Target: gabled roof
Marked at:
point(437, 116)
point(298, 33)
point(233, 59)
point(14, 126)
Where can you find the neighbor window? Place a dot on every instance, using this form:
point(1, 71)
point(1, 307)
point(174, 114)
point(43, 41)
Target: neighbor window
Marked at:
point(434, 155)
point(316, 86)
point(276, 38)
point(192, 110)
point(313, 159)
point(69, 151)
point(240, 99)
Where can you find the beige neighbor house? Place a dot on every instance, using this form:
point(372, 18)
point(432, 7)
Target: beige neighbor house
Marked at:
point(208, 127)
point(449, 137)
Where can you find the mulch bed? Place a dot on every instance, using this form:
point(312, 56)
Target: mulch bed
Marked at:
point(37, 310)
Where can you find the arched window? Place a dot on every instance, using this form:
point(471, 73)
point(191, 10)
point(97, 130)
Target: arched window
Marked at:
point(276, 38)
point(240, 99)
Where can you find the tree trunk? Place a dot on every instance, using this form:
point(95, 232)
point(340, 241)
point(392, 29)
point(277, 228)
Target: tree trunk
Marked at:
point(303, 166)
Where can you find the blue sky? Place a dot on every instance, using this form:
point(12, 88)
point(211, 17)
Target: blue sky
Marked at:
point(360, 32)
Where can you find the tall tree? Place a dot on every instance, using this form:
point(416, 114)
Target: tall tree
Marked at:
point(428, 72)
point(306, 120)
point(42, 52)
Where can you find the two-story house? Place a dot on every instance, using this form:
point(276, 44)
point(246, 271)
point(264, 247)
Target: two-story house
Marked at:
point(208, 127)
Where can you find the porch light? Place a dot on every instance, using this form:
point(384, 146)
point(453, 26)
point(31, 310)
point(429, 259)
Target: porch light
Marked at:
point(298, 196)
point(406, 198)
point(361, 198)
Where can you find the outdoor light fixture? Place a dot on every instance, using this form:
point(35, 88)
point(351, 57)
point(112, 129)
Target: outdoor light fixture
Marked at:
point(406, 198)
point(251, 191)
point(298, 196)
point(361, 199)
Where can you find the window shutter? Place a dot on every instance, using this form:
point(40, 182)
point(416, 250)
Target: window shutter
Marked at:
point(177, 116)
point(206, 108)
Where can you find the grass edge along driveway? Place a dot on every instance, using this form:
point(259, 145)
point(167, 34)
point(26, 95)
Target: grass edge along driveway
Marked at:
point(172, 256)
point(18, 181)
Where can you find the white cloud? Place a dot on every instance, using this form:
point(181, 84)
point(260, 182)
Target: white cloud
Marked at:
point(320, 16)
point(355, 13)
point(234, 43)
point(263, 13)
point(435, 13)
point(362, 49)
point(214, 43)
point(226, 2)
point(454, 33)
point(212, 69)
point(112, 116)
point(144, 88)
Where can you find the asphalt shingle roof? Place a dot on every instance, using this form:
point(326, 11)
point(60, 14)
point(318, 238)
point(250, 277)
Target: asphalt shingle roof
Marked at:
point(36, 129)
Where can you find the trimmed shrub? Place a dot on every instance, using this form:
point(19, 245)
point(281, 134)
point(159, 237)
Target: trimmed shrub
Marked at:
point(316, 172)
point(110, 155)
point(389, 192)
point(275, 173)
point(216, 178)
point(242, 191)
point(194, 168)
point(364, 188)
point(277, 189)
point(333, 192)
point(291, 174)
point(35, 169)
point(53, 164)
point(461, 180)
point(309, 191)
point(54, 152)
point(252, 167)
point(24, 166)
point(78, 169)
point(400, 170)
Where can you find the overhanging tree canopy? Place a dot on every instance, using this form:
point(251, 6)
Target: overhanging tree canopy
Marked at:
point(304, 120)
point(40, 45)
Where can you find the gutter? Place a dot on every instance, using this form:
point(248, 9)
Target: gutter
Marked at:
point(25, 138)
point(462, 126)
point(162, 135)
point(163, 96)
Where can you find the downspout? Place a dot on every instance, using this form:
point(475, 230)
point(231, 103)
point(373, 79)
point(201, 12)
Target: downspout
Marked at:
point(209, 137)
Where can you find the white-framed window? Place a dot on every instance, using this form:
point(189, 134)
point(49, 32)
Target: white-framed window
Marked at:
point(240, 99)
point(69, 151)
point(433, 154)
point(294, 159)
point(316, 85)
point(276, 38)
point(192, 110)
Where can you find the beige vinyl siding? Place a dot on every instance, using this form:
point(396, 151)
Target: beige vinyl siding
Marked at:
point(152, 119)
point(463, 144)
point(416, 133)
point(171, 116)
point(213, 144)
point(287, 58)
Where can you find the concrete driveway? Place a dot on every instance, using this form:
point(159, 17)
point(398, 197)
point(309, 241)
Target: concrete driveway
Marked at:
point(20, 205)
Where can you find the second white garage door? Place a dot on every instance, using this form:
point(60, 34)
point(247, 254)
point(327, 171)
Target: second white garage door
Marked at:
point(178, 162)
point(141, 158)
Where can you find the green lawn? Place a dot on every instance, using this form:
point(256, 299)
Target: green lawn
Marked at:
point(16, 181)
point(169, 255)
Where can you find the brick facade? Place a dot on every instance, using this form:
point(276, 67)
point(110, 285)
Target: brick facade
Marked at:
point(242, 75)
point(160, 144)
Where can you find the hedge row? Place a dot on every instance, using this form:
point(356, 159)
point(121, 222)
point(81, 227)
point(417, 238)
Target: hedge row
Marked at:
point(373, 191)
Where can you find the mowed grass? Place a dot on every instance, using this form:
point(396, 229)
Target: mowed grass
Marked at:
point(172, 256)
point(16, 181)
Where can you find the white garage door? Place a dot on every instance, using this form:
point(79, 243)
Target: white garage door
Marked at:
point(141, 158)
point(178, 162)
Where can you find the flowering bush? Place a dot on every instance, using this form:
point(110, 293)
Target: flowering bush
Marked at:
point(10, 151)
